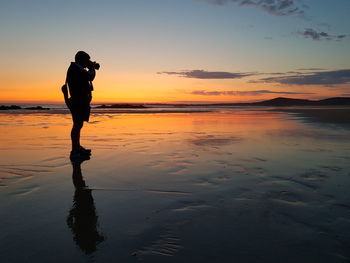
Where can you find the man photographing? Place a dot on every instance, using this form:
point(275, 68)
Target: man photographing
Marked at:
point(79, 82)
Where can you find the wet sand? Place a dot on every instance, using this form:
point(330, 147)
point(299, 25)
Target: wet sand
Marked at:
point(241, 186)
point(326, 114)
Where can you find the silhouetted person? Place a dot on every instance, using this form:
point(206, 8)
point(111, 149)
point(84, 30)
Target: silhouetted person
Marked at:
point(79, 82)
point(82, 218)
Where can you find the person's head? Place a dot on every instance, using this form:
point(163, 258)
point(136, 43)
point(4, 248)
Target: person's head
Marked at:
point(82, 58)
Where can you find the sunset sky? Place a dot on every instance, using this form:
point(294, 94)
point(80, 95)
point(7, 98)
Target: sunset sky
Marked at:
point(177, 50)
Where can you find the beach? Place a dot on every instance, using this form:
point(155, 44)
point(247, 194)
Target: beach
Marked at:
point(225, 185)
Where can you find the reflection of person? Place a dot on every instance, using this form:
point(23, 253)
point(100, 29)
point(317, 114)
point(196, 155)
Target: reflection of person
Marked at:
point(82, 218)
point(79, 82)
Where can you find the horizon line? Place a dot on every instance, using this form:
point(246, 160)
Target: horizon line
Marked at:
point(169, 102)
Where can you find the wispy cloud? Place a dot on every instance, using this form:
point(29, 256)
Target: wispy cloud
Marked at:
point(315, 35)
point(327, 78)
point(304, 76)
point(273, 7)
point(243, 93)
point(202, 74)
point(311, 69)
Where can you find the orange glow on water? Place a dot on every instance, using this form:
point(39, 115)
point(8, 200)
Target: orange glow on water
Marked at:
point(44, 134)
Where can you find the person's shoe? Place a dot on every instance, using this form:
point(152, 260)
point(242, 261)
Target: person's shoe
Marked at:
point(82, 149)
point(79, 156)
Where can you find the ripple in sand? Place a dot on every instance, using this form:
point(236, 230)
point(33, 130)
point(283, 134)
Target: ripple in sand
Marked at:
point(251, 160)
point(296, 181)
point(180, 171)
point(213, 140)
point(153, 191)
point(55, 158)
point(285, 197)
point(205, 184)
point(15, 169)
point(332, 168)
point(14, 176)
point(222, 178)
point(157, 191)
point(313, 175)
point(26, 191)
point(172, 165)
point(17, 173)
point(166, 245)
point(191, 208)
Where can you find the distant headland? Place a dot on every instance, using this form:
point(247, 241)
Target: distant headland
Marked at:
point(278, 102)
point(283, 102)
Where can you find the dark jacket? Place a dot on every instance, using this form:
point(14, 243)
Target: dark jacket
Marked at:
point(79, 83)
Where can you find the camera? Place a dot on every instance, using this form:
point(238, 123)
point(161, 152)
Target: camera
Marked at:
point(95, 65)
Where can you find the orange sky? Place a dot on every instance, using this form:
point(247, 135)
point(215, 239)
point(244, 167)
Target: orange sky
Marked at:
point(146, 88)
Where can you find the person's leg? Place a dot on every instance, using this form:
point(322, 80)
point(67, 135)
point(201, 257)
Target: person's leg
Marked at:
point(75, 135)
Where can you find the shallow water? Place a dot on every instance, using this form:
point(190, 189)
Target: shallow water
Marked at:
point(239, 186)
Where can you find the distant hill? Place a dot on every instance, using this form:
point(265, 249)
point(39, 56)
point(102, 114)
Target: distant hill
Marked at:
point(284, 102)
point(302, 102)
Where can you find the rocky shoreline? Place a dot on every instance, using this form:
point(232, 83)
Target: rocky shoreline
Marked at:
point(16, 107)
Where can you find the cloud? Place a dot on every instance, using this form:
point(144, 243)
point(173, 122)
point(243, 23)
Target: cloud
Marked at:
point(305, 76)
point(312, 69)
point(202, 74)
point(327, 78)
point(314, 35)
point(273, 7)
point(243, 93)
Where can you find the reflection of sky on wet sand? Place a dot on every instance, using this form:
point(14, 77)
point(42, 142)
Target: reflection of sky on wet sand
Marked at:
point(242, 186)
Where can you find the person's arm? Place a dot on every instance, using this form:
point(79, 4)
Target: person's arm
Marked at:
point(91, 73)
